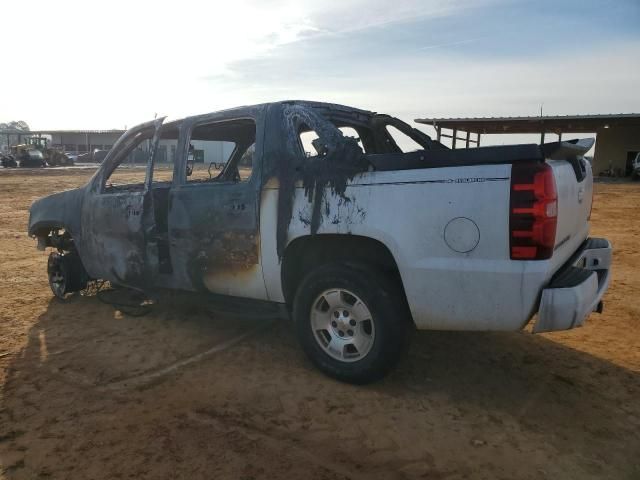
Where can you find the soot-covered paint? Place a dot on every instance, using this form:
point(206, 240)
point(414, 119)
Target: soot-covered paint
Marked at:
point(338, 160)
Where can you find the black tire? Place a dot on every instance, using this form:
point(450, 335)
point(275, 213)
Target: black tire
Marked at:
point(66, 274)
point(388, 311)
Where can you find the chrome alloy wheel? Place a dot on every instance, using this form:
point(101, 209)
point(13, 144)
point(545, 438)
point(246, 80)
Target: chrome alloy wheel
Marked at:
point(342, 325)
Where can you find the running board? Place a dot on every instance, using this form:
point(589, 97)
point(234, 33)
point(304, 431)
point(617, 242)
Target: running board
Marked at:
point(246, 307)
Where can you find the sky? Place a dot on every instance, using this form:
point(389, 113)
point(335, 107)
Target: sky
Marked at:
point(99, 65)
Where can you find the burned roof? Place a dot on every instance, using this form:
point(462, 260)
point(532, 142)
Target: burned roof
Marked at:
point(332, 110)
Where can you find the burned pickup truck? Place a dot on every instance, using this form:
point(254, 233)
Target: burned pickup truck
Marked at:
point(358, 225)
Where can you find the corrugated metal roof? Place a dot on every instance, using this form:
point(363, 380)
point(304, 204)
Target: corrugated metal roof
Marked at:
point(596, 116)
point(551, 123)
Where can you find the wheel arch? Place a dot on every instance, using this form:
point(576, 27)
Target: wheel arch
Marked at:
point(42, 229)
point(307, 252)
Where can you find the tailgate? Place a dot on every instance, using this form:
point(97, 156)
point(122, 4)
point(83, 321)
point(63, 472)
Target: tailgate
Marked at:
point(574, 185)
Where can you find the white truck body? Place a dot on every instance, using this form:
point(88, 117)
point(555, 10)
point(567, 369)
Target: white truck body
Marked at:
point(456, 273)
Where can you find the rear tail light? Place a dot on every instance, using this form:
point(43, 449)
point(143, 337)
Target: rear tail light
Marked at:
point(533, 211)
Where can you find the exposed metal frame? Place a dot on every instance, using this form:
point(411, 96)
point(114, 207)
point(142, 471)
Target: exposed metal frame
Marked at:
point(454, 137)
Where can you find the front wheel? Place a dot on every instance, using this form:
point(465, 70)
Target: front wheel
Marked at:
point(66, 274)
point(352, 321)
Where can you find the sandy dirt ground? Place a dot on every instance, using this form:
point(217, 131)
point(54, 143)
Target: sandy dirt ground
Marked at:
point(87, 392)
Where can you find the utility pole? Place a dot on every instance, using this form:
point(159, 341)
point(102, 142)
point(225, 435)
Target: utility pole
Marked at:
point(541, 124)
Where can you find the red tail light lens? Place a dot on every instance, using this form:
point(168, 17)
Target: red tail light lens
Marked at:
point(533, 213)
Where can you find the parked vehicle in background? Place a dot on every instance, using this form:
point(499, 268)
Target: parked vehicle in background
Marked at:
point(322, 211)
point(84, 157)
point(72, 157)
point(96, 156)
point(56, 157)
point(8, 161)
point(99, 155)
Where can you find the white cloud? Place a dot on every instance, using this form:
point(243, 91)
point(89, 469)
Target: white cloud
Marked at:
point(339, 16)
point(75, 59)
point(80, 64)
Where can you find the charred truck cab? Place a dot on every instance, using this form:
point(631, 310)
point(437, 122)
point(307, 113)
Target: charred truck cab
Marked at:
point(360, 225)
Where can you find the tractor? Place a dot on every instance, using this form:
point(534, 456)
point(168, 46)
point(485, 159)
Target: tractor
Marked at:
point(27, 156)
point(54, 155)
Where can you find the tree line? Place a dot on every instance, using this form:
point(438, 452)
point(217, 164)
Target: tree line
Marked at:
point(20, 125)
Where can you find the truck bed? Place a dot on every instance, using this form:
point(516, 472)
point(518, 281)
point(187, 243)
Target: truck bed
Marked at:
point(490, 155)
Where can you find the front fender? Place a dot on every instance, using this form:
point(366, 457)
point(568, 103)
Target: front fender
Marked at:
point(60, 210)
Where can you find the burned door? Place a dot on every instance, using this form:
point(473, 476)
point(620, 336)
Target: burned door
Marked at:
point(213, 217)
point(117, 211)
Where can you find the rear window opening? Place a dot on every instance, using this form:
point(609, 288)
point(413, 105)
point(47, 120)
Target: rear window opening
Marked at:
point(375, 134)
point(221, 151)
point(307, 139)
point(353, 133)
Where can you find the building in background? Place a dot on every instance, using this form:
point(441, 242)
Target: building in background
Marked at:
point(617, 143)
point(72, 141)
point(81, 141)
point(88, 141)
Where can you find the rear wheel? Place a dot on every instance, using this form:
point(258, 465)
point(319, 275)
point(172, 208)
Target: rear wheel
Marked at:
point(66, 274)
point(352, 321)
